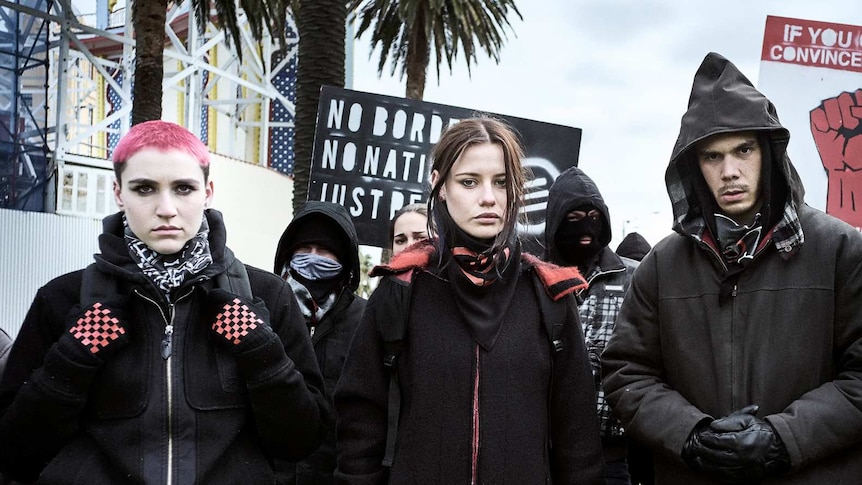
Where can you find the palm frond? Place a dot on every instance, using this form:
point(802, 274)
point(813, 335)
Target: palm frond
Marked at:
point(452, 27)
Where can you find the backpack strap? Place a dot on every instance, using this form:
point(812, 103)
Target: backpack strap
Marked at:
point(394, 402)
point(96, 286)
point(552, 284)
point(553, 314)
point(235, 280)
point(390, 318)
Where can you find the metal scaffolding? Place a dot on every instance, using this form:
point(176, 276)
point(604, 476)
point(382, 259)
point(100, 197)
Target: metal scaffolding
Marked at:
point(66, 97)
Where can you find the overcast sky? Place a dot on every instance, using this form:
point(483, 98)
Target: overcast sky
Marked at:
point(620, 70)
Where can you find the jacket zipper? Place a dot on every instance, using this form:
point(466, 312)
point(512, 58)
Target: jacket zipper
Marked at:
point(475, 444)
point(167, 342)
point(596, 275)
point(166, 350)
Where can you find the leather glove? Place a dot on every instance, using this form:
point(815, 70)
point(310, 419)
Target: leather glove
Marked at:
point(239, 325)
point(739, 448)
point(692, 446)
point(94, 333)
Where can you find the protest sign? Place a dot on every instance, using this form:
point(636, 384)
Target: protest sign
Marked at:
point(372, 155)
point(812, 72)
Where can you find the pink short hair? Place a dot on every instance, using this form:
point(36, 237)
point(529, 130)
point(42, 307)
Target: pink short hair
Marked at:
point(161, 135)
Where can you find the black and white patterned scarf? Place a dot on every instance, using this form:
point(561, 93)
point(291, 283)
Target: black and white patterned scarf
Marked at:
point(168, 271)
point(311, 310)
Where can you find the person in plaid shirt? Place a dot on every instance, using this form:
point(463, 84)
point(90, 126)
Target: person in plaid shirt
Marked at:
point(577, 233)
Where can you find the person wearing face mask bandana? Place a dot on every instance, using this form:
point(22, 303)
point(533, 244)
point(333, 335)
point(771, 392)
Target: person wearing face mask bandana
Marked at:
point(318, 255)
point(577, 233)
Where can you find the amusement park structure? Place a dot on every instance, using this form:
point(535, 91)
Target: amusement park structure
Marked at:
point(66, 73)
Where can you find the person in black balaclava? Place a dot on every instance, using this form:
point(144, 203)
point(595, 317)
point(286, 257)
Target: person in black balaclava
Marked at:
point(318, 255)
point(577, 233)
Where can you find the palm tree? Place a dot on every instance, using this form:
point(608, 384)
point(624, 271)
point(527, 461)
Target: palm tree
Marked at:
point(148, 21)
point(405, 30)
point(322, 30)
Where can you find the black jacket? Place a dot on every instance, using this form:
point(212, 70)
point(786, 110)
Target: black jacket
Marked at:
point(609, 278)
point(789, 339)
point(331, 337)
point(203, 415)
point(535, 409)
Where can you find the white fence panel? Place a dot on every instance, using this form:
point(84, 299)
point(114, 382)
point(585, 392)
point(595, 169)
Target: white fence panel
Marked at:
point(36, 247)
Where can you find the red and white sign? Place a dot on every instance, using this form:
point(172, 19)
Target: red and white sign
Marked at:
point(812, 72)
point(810, 43)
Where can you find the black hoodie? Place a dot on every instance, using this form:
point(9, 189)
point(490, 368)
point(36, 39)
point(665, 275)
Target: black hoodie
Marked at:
point(609, 278)
point(571, 189)
point(723, 100)
point(332, 333)
point(634, 246)
point(338, 214)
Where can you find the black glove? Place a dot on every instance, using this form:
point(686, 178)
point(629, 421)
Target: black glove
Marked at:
point(94, 333)
point(739, 448)
point(692, 445)
point(237, 324)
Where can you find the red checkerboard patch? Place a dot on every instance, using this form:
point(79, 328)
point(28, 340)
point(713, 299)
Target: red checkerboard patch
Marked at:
point(97, 328)
point(235, 321)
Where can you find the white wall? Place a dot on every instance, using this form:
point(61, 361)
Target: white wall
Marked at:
point(34, 248)
point(257, 204)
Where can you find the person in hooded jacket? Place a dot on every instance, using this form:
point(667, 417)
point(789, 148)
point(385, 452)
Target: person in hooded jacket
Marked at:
point(577, 233)
point(167, 360)
point(318, 255)
point(633, 246)
point(737, 355)
point(485, 395)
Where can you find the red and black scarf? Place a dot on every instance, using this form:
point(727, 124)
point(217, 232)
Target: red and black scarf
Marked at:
point(484, 279)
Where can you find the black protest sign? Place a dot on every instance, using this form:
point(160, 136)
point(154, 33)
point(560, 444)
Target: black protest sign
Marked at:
point(372, 155)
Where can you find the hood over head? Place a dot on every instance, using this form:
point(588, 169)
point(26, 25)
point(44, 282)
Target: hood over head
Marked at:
point(309, 221)
point(571, 189)
point(633, 246)
point(723, 100)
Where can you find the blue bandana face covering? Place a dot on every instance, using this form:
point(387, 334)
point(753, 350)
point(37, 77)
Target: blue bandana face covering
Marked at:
point(314, 267)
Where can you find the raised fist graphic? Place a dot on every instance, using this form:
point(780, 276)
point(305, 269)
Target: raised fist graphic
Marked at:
point(836, 126)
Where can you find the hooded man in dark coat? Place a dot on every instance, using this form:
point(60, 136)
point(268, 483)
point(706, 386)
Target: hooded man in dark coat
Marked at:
point(318, 254)
point(737, 356)
point(577, 233)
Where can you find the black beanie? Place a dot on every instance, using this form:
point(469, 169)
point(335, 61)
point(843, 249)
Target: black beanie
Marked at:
point(323, 231)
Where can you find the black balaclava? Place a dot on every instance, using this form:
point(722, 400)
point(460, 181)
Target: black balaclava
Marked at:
point(569, 234)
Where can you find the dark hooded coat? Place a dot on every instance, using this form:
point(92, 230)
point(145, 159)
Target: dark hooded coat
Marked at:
point(788, 339)
point(332, 334)
point(199, 415)
point(531, 406)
